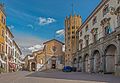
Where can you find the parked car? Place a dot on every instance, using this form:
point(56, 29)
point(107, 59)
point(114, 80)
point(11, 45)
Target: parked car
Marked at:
point(67, 69)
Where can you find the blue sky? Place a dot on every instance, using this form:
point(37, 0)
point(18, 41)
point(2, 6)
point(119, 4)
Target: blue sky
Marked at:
point(34, 21)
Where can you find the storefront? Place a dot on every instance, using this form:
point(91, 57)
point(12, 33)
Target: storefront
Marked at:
point(12, 67)
point(2, 65)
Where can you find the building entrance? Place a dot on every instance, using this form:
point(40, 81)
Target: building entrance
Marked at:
point(53, 65)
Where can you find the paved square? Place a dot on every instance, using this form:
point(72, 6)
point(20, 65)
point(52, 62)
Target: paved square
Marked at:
point(56, 77)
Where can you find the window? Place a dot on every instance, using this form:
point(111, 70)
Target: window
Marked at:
point(118, 1)
point(118, 20)
point(6, 48)
point(86, 28)
point(94, 32)
point(2, 48)
point(73, 27)
point(108, 30)
point(73, 37)
point(68, 33)
point(105, 10)
point(95, 37)
point(81, 45)
point(94, 20)
point(2, 33)
point(3, 20)
point(68, 38)
point(87, 42)
point(80, 33)
point(73, 32)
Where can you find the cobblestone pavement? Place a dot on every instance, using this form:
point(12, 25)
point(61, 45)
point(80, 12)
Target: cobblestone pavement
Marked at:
point(56, 77)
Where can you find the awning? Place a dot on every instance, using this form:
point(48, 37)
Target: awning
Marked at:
point(2, 61)
point(12, 65)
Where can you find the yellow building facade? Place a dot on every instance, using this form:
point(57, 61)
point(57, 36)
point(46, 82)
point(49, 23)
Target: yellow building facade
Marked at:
point(2, 38)
point(72, 23)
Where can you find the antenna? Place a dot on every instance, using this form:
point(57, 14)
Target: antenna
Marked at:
point(72, 8)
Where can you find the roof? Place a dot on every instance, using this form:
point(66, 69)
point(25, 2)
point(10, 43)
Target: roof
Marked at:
point(2, 8)
point(39, 51)
point(100, 5)
point(17, 46)
point(9, 31)
point(53, 40)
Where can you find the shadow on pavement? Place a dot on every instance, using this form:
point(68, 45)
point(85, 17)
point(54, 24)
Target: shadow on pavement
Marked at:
point(77, 76)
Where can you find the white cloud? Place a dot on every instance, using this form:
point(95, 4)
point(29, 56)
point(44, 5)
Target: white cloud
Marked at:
point(45, 21)
point(60, 32)
point(30, 26)
point(11, 27)
point(36, 48)
point(26, 41)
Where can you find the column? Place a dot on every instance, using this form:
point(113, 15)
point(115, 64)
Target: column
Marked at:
point(117, 71)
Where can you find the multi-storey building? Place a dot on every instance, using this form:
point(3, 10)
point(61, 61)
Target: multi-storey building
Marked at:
point(99, 40)
point(9, 47)
point(2, 37)
point(16, 56)
point(72, 23)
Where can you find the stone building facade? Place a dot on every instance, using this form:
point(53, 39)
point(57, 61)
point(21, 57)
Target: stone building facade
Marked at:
point(72, 23)
point(99, 40)
point(51, 57)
